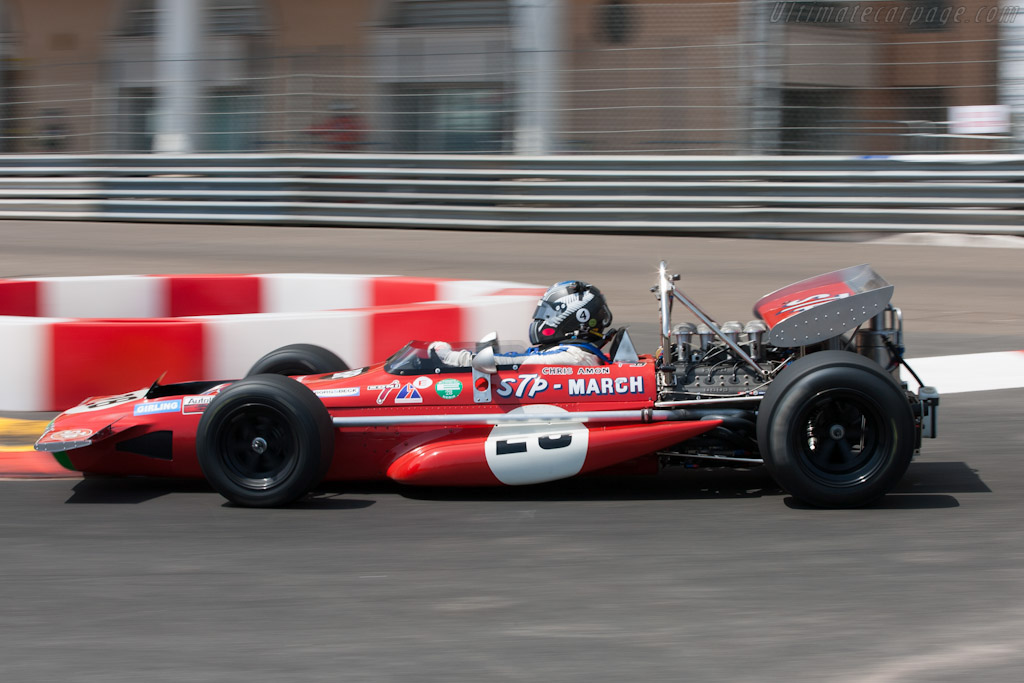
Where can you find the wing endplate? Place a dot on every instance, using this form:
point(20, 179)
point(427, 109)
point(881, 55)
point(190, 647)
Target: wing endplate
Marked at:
point(822, 307)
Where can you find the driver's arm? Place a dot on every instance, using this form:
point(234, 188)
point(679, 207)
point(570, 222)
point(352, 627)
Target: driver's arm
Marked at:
point(459, 359)
point(566, 354)
point(560, 355)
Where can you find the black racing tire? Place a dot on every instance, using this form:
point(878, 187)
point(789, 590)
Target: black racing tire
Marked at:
point(265, 441)
point(298, 359)
point(835, 430)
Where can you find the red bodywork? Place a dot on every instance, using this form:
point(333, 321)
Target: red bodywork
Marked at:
point(134, 435)
point(800, 297)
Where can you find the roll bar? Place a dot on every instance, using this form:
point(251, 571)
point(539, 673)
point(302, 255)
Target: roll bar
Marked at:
point(667, 292)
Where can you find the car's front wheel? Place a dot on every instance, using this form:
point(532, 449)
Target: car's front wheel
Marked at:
point(265, 441)
point(835, 430)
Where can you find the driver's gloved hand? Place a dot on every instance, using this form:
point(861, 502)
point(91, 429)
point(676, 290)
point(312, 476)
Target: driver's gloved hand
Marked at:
point(443, 351)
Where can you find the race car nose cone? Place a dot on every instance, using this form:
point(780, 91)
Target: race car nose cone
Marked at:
point(259, 445)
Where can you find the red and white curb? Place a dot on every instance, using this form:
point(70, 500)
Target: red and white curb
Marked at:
point(64, 339)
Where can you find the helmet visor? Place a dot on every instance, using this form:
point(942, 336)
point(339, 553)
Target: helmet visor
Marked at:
point(546, 310)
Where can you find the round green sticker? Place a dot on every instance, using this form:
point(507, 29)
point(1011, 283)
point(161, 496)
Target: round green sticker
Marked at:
point(448, 388)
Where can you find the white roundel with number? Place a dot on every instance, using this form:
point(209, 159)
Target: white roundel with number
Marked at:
point(107, 402)
point(69, 435)
point(533, 453)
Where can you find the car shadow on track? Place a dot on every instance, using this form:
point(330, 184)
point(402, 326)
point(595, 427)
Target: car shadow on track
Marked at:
point(891, 501)
point(112, 490)
point(671, 485)
point(941, 477)
point(102, 490)
point(926, 485)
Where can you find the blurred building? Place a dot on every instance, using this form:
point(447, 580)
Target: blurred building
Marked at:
point(1011, 74)
point(523, 76)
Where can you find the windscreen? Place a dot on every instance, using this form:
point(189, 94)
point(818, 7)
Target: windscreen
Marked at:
point(417, 358)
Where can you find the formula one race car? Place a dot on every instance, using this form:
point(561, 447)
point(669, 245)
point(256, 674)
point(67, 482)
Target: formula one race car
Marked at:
point(810, 389)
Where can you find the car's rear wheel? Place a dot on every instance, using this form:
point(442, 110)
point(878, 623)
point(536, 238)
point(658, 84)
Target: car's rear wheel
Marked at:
point(265, 441)
point(298, 359)
point(835, 430)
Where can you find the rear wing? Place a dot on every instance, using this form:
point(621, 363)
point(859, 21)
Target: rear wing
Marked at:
point(822, 307)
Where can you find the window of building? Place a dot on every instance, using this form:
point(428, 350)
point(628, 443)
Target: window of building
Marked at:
point(136, 109)
point(226, 113)
point(615, 20)
point(235, 17)
point(925, 104)
point(814, 120)
point(13, 123)
point(446, 13)
point(231, 120)
point(448, 118)
point(924, 119)
point(928, 15)
point(139, 19)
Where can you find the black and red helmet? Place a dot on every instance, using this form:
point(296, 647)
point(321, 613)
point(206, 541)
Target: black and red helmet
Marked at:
point(572, 310)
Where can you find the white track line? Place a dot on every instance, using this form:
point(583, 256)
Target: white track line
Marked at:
point(954, 239)
point(969, 372)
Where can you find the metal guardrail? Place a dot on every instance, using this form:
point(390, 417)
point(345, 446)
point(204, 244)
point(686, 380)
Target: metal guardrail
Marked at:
point(650, 194)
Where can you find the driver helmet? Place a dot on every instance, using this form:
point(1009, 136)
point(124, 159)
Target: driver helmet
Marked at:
point(572, 310)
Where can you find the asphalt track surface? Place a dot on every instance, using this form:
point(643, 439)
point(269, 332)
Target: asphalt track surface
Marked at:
point(704, 575)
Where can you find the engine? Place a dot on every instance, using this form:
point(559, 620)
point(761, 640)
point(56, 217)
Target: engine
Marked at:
point(709, 371)
point(722, 376)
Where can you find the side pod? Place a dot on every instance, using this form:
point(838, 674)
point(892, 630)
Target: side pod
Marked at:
point(518, 455)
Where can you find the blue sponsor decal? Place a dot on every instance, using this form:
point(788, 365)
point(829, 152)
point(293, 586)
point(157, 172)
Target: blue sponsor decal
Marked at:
point(409, 394)
point(158, 407)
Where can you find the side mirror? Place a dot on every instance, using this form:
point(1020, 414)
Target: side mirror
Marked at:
point(483, 361)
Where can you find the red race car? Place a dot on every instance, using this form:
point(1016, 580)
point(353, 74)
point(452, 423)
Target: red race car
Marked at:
point(810, 389)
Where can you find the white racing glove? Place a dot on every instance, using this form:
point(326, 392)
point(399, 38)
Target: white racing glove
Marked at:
point(460, 359)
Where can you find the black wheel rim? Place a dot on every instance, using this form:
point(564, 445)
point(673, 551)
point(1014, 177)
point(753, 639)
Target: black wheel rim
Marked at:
point(258, 446)
point(842, 438)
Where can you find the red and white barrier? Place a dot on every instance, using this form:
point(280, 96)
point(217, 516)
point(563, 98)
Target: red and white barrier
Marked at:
point(63, 339)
